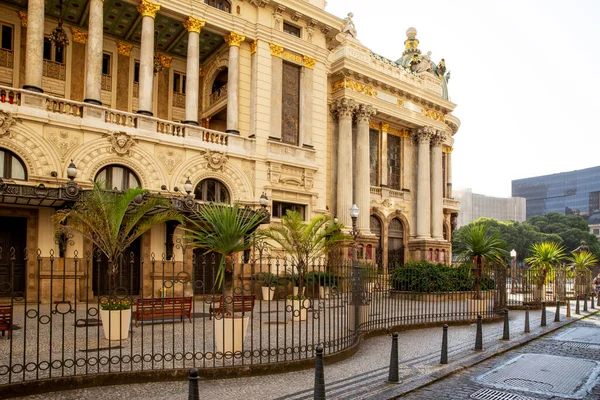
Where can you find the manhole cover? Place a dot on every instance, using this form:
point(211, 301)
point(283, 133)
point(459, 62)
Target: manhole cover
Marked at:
point(490, 394)
point(583, 334)
point(545, 374)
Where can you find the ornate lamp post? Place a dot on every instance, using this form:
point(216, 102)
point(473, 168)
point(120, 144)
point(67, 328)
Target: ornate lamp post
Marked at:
point(513, 269)
point(357, 276)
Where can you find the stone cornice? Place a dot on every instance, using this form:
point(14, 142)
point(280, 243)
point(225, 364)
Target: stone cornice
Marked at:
point(309, 12)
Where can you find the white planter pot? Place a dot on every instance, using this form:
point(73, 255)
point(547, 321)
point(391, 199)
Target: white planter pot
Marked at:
point(297, 309)
point(324, 292)
point(267, 293)
point(116, 323)
point(295, 290)
point(230, 333)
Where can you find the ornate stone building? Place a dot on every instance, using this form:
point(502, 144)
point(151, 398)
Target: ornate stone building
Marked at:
point(217, 100)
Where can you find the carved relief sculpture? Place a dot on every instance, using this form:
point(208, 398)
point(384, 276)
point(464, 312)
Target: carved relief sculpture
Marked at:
point(120, 143)
point(215, 159)
point(6, 122)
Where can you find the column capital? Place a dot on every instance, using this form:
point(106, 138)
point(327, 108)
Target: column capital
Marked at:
point(364, 113)
point(276, 50)
point(234, 39)
point(193, 24)
point(438, 139)
point(308, 62)
point(23, 16)
point(343, 108)
point(447, 149)
point(79, 36)
point(253, 46)
point(124, 49)
point(148, 9)
point(424, 134)
point(165, 60)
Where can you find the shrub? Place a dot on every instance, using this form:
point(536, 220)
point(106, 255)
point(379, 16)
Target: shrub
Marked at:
point(266, 278)
point(427, 277)
point(322, 278)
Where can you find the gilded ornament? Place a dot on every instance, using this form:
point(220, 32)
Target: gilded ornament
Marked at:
point(447, 149)
point(253, 46)
point(23, 16)
point(276, 50)
point(148, 9)
point(193, 24)
point(434, 115)
point(79, 36)
point(124, 49)
point(385, 127)
point(234, 39)
point(400, 102)
point(165, 60)
point(293, 57)
point(374, 125)
point(309, 62)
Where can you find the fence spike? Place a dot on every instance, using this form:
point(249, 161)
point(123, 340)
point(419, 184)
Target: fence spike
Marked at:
point(577, 310)
point(319, 393)
point(444, 356)
point(543, 323)
point(393, 374)
point(193, 377)
point(479, 334)
point(506, 331)
point(526, 330)
point(585, 308)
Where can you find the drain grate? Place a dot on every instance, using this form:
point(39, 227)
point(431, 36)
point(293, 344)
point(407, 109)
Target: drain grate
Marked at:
point(489, 394)
point(578, 345)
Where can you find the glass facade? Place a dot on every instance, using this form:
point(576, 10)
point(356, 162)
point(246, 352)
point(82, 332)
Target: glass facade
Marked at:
point(574, 192)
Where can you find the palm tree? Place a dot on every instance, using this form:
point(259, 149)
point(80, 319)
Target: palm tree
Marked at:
point(476, 244)
point(113, 220)
point(543, 258)
point(222, 229)
point(305, 241)
point(581, 261)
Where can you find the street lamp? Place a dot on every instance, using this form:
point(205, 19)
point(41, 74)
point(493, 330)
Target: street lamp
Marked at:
point(356, 273)
point(187, 186)
point(263, 200)
point(72, 171)
point(354, 215)
point(513, 268)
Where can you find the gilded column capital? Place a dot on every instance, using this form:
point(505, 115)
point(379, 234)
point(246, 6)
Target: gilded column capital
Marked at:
point(194, 24)
point(308, 62)
point(364, 113)
point(424, 134)
point(385, 127)
point(23, 16)
point(124, 49)
point(276, 50)
point(447, 149)
point(79, 36)
point(253, 46)
point(343, 108)
point(165, 60)
point(148, 9)
point(234, 39)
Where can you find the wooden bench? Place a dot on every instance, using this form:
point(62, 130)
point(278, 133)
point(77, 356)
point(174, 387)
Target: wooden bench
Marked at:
point(6, 320)
point(232, 304)
point(162, 308)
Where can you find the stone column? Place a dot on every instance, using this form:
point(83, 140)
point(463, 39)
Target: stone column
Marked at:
point(93, 78)
point(35, 46)
point(448, 152)
point(437, 231)
point(423, 137)
point(123, 81)
point(276, 91)
point(306, 101)
point(383, 167)
point(234, 40)
point(362, 187)
point(192, 74)
point(78, 53)
point(148, 11)
point(344, 108)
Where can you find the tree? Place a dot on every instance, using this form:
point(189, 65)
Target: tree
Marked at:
point(305, 241)
point(572, 229)
point(113, 220)
point(544, 257)
point(222, 229)
point(477, 244)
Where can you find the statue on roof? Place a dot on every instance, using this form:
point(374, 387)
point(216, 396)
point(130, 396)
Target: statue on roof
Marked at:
point(424, 64)
point(349, 27)
point(441, 68)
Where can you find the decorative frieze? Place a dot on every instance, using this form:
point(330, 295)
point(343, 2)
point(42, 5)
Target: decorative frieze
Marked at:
point(276, 50)
point(79, 36)
point(63, 141)
point(308, 62)
point(294, 57)
point(347, 83)
point(404, 133)
point(290, 176)
point(165, 60)
point(434, 115)
point(170, 157)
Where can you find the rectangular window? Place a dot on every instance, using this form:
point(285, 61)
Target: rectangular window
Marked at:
point(374, 156)
point(393, 161)
point(7, 37)
point(47, 49)
point(596, 231)
point(280, 209)
point(106, 64)
point(291, 29)
point(290, 97)
point(178, 82)
point(136, 72)
point(53, 53)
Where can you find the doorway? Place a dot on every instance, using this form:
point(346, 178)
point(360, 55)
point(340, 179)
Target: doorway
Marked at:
point(13, 242)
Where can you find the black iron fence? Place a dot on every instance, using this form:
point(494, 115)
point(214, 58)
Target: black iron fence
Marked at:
point(79, 316)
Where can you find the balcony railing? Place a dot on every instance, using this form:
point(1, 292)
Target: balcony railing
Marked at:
point(136, 89)
point(375, 190)
point(6, 58)
point(218, 95)
point(178, 100)
point(54, 70)
point(106, 82)
point(10, 96)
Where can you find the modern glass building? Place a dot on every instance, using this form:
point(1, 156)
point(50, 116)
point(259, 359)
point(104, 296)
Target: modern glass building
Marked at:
point(574, 192)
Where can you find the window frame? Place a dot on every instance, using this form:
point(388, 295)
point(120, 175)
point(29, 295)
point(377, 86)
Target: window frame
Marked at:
point(182, 82)
point(279, 208)
point(292, 32)
point(109, 64)
point(53, 52)
point(12, 36)
point(202, 187)
point(7, 168)
point(125, 178)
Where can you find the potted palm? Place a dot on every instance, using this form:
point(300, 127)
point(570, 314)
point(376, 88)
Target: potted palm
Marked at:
point(268, 283)
point(581, 262)
point(222, 229)
point(542, 260)
point(112, 221)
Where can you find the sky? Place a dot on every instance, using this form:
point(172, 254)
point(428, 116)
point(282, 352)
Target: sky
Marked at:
point(525, 78)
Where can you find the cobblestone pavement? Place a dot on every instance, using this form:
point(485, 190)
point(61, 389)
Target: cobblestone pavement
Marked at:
point(363, 375)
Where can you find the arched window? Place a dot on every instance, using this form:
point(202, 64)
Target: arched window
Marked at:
point(11, 166)
point(212, 190)
point(118, 177)
point(220, 4)
point(395, 243)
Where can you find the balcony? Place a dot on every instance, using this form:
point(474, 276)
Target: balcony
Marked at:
point(452, 205)
point(6, 58)
point(218, 95)
point(106, 82)
point(54, 70)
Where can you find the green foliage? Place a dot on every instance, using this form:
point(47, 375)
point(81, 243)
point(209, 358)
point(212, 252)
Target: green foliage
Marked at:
point(544, 256)
point(266, 278)
point(581, 262)
point(571, 229)
point(115, 304)
point(322, 278)
point(425, 277)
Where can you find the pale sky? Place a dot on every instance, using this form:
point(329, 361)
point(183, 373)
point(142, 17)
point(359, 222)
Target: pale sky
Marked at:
point(525, 78)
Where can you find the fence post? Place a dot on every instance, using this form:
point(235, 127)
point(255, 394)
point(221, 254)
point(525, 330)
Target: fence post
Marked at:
point(592, 301)
point(568, 308)
point(526, 330)
point(543, 323)
point(479, 335)
point(319, 393)
point(193, 387)
point(577, 311)
point(585, 309)
point(444, 356)
point(393, 374)
point(506, 332)
point(557, 313)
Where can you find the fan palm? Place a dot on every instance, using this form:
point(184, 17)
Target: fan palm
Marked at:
point(581, 262)
point(113, 220)
point(476, 244)
point(543, 257)
point(222, 229)
point(305, 241)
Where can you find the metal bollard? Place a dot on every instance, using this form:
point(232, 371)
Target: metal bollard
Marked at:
point(526, 330)
point(506, 331)
point(585, 309)
point(577, 310)
point(598, 302)
point(479, 335)
point(592, 301)
point(568, 308)
point(393, 375)
point(543, 323)
point(557, 313)
point(319, 375)
point(193, 377)
point(444, 357)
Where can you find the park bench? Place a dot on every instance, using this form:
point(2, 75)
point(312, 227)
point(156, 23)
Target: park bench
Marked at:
point(168, 307)
point(6, 320)
point(224, 305)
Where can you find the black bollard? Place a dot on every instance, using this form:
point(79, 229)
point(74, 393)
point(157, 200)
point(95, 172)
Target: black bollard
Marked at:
point(506, 331)
point(557, 313)
point(592, 301)
point(543, 314)
point(577, 310)
point(193, 377)
point(479, 335)
point(444, 357)
point(526, 330)
point(319, 375)
point(585, 303)
point(393, 375)
point(598, 302)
